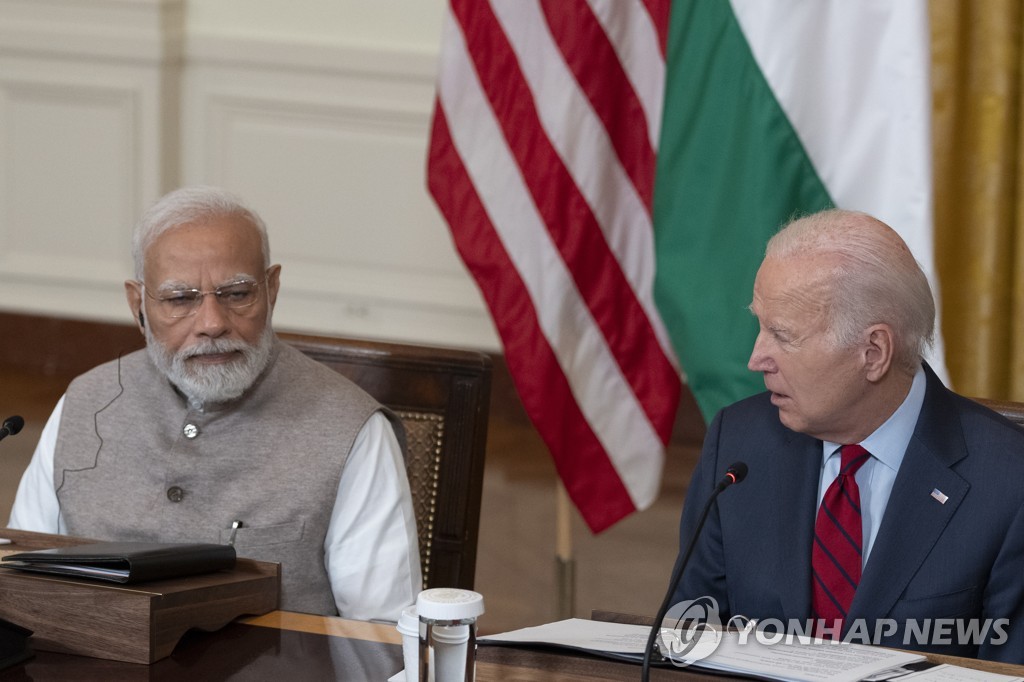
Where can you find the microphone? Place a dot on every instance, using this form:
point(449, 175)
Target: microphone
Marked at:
point(11, 426)
point(736, 472)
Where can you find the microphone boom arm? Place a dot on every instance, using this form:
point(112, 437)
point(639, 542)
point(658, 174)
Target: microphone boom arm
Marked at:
point(734, 474)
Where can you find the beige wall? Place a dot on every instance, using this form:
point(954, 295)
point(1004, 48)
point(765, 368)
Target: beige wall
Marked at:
point(414, 24)
point(317, 112)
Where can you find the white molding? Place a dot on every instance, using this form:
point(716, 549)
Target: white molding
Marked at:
point(394, 63)
point(88, 138)
point(327, 141)
point(134, 30)
point(329, 144)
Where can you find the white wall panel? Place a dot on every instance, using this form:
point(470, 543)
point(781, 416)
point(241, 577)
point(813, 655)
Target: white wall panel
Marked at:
point(322, 125)
point(402, 23)
point(329, 145)
point(84, 145)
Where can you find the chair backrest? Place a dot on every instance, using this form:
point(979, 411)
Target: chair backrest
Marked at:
point(442, 397)
point(1012, 411)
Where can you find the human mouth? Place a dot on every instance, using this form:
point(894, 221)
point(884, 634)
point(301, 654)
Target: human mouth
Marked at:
point(215, 358)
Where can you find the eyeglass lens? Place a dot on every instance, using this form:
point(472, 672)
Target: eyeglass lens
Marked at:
point(184, 302)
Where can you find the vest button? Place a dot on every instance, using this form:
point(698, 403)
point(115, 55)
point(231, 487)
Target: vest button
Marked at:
point(175, 494)
point(190, 431)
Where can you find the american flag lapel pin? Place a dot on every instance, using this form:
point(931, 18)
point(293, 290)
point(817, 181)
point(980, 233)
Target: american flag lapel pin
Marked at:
point(939, 495)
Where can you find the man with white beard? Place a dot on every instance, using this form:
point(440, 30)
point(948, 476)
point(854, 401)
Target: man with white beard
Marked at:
point(219, 432)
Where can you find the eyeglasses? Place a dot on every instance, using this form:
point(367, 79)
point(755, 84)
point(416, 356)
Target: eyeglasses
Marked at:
point(184, 302)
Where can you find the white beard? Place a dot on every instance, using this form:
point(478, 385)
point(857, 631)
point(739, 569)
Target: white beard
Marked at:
point(203, 384)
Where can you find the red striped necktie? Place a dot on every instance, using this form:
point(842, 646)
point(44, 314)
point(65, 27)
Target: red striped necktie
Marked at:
point(836, 556)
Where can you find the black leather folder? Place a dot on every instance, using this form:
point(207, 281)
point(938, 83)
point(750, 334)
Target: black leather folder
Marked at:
point(126, 562)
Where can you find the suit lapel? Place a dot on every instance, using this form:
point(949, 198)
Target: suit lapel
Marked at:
point(913, 520)
point(797, 482)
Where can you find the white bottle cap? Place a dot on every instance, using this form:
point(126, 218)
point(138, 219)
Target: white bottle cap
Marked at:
point(408, 622)
point(449, 604)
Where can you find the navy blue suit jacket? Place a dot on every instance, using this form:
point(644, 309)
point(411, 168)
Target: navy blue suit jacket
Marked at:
point(963, 559)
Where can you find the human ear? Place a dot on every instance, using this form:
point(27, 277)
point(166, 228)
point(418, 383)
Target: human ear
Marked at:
point(273, 283)
point(133, 292)
point(878, 351)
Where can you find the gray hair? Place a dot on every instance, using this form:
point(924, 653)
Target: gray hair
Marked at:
point(872, 278)
point(190, 206)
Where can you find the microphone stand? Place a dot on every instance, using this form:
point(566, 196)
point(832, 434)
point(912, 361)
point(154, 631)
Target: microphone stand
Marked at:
point(14, 646)
point(734, 474)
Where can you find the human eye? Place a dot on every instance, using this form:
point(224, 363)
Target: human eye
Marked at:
point(237, 293)
point(179, 298)
point(780, 335)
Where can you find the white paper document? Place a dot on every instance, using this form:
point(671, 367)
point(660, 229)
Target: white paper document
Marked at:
point(579, 633)
point(953, 673)
point(803, 662)
point(740, 653)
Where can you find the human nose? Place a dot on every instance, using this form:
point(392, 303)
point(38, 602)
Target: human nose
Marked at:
point(760, 359)
point(211, 318)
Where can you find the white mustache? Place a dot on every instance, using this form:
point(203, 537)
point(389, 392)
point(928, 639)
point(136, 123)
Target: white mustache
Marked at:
point(213, 347)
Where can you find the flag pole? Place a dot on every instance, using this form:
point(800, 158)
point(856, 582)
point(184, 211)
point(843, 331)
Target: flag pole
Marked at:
point(565, 564)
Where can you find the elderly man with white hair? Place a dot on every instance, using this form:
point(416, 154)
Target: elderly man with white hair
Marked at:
point(219, 432)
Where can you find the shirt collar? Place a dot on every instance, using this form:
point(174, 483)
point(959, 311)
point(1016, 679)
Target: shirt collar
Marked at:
point(889, 441)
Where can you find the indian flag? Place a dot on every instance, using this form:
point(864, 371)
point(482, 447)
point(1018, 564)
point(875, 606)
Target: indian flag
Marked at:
point(776, 108)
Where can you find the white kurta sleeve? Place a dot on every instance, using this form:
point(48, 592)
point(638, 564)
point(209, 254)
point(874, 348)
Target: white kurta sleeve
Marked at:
point(371, 551)
point(35, 506)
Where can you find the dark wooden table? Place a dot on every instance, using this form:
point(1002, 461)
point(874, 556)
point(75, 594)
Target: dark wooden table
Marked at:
point(291, 647)
point(288, 647)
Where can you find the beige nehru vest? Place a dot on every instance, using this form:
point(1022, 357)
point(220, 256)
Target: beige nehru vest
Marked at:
point(135, 462)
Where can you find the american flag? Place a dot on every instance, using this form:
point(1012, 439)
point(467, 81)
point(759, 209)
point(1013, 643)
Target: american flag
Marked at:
point(542, 160)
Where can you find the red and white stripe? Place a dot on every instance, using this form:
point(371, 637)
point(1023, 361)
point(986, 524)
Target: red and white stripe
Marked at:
point(542, 161)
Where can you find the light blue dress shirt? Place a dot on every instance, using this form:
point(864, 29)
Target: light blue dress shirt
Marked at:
point(875, 478)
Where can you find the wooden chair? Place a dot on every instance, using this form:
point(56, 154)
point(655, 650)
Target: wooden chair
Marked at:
point(442, 397)
point(1012, 411)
